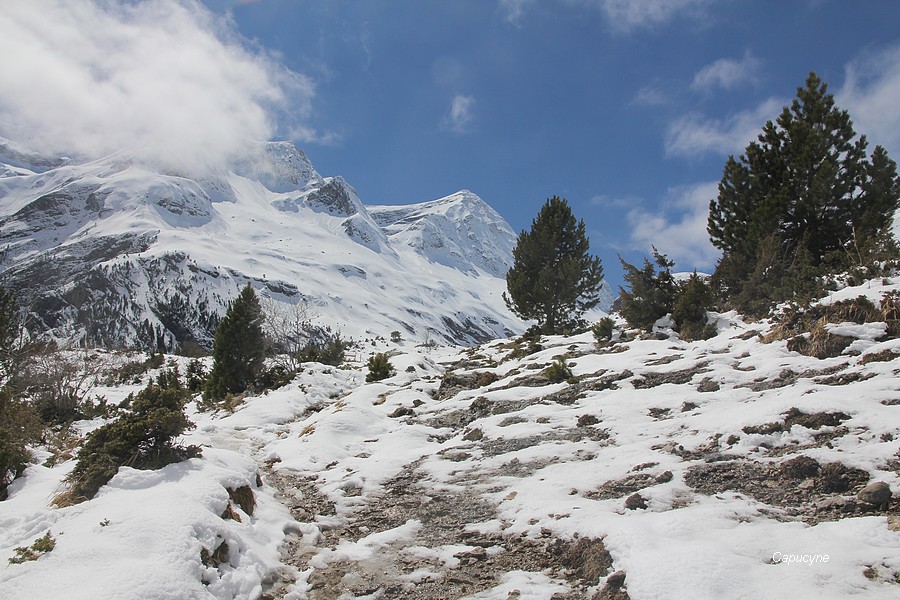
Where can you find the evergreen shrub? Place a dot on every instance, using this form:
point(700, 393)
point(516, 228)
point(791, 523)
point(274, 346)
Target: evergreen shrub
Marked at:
point(144, 438)
point(603, 330)
point(380, 367)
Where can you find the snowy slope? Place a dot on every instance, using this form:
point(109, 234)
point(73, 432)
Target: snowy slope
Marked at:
point(471, 475)
point(118, 253)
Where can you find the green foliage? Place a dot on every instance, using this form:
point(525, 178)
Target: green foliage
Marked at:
point(801, 202)
point(651, 291)
point(603, 329)
point(693, 299)
point(274, 377)
point(196, 376)
point(60, 383)
point(96, 407)
point(327, 349)
point(238, 349)
point(558, 371)
point(142, 439)
point(380, 367)
point(20, 425)
point(553, 279)
point(40, 547)
point(170, 379)
point(525, 346)
point(134, 370)
point(10, 336)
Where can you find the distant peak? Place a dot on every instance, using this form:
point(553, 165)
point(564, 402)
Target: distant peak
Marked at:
point(280, 166)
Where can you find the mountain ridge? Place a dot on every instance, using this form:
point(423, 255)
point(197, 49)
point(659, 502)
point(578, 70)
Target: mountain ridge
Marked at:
point(115, 252)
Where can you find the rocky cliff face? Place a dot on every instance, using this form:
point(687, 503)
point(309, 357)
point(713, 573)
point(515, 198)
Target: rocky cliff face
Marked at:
point(117, 253)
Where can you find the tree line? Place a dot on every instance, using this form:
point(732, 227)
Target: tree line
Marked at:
point(801, 206)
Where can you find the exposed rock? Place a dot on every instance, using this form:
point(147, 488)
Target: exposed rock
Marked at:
point(708, 385)
point(402, 411)
point(635, 501)
point(877, 494)
point(613, 589)
point(587, 420)
point(649, 380)
point(795, 416)
point(800, 467)
point(454, 383)
point(810, 498)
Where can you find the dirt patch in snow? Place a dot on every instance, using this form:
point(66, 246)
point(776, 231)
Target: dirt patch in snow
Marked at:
point(805, 489)
point(654, 379)
point(443, 555)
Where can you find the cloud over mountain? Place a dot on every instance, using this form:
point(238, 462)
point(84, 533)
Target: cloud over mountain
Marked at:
point(164, 80)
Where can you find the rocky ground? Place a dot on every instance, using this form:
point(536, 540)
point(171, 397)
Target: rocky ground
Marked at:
point(644, 467)
point(480, 510)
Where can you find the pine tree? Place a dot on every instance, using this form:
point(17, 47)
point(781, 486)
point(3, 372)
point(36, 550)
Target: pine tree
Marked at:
point(692, 301)
point(238, 348)
point(553, 279)
point(144, 438)
point(797, 200)
point(651, 291)
point(10, 335)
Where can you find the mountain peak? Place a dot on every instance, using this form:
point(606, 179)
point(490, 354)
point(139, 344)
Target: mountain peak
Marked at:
point(279, 166)
point(111, 252)
point(460, 231)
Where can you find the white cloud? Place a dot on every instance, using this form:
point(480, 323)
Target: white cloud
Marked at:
point(627, 15)
point(165, 80)
point(460, 118)
point(622, 15)
point(870, 94)
point(513, 10)
point(650, 96)
point(727, 73)
point(678, 229)
point(696, 135)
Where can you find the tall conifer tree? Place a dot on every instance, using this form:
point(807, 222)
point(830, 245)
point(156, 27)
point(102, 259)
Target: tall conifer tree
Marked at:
point(238, 348)
point(800, 196)
point(553, 279)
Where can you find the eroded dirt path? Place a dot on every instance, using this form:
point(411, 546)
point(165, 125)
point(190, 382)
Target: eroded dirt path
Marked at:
point(413, 541)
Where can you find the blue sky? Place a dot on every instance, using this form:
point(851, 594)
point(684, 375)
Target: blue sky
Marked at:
point(626, 108)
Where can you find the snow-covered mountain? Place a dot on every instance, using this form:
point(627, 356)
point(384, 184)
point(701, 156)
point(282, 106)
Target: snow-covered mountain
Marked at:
point(119, 253)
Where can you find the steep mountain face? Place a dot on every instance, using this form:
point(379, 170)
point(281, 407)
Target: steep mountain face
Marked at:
point(117, 253)
point(460, 231)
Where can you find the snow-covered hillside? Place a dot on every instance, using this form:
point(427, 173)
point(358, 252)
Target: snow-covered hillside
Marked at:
point(119, 253)
point(718, 469)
